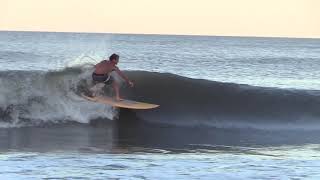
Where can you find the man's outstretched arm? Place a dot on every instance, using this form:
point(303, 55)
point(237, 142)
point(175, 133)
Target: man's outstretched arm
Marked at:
point(123, 76)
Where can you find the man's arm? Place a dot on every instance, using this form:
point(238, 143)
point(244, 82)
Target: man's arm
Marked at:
point(123, 76)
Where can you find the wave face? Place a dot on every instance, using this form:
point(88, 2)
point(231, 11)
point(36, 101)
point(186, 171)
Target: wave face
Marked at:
point(35, 97)
point(195, 102)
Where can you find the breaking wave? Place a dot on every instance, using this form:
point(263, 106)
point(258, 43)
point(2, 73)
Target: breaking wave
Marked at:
point(35, 97)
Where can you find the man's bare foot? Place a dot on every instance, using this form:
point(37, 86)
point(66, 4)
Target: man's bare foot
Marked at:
point(119, 99)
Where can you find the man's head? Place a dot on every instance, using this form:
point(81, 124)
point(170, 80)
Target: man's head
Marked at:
point(114, 58)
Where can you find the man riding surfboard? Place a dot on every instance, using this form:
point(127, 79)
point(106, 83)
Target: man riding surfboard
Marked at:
point(102, 76)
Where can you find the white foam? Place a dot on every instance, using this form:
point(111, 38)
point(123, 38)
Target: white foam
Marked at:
point(40, 97)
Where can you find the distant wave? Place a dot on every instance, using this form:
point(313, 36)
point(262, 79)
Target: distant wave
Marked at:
point(17, 55)
point(35, 97)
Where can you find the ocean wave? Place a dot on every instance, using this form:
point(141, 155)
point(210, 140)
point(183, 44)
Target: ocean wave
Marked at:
point(17, 55)
point(35, 97)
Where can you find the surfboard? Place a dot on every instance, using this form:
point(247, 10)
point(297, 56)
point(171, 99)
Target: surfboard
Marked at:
point(129, 104)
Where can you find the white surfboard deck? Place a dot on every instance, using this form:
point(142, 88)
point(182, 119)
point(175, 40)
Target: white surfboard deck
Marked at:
point(129, 104)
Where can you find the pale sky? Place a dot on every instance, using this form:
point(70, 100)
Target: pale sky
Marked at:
point(277, 18)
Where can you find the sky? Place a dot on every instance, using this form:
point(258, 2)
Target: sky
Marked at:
point(267, 18)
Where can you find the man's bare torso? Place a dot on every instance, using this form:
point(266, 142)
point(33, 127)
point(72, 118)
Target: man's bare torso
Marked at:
point(104, 67)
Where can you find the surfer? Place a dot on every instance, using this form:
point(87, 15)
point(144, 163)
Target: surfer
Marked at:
point(102, 76)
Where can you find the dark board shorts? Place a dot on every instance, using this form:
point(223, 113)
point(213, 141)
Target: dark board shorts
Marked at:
point(102, 78)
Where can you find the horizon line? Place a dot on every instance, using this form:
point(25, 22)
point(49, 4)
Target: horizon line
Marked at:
point(158, 34)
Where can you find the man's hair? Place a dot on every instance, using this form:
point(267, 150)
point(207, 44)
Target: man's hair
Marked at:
point(114, 57)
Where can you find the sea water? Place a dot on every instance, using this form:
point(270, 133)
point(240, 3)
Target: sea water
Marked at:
point(230, 107)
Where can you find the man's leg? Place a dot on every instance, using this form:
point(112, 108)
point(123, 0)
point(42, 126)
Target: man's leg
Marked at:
point(96, 88)
point(115, 86)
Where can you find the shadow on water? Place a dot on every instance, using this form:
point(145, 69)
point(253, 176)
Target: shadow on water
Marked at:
point(129, 134)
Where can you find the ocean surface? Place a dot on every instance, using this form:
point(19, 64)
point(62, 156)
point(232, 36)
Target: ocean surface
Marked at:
point(230, 107)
